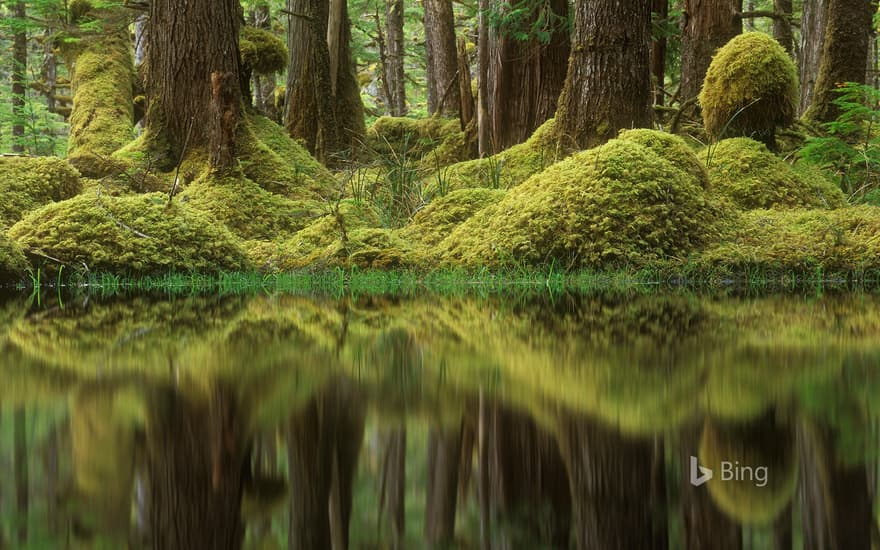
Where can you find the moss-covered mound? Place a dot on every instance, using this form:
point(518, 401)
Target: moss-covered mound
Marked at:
point(842, 240)
point(618, 204)
point(745, 171)
point(262, 51)
point(26, 183)
point(13, 264)
point(138, 234)
point(671, 148)
point(415, 137)
point(436, 221)
point(507, 169)
point(751, 87)
point(248, 210)
point(102, 118)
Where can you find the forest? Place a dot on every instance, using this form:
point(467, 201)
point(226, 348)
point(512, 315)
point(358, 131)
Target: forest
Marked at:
point(704, 140)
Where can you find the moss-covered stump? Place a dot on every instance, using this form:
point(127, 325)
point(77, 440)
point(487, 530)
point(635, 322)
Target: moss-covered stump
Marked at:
point(846, 240)
point(13, 264)
point(750, 89)
point(619, 204)
point(248, 210)
point(138, 234)
point(746, 172)
point(102, 117)
point(507, 169)
point(26, 183)
point(261, 51)
point(436, 221)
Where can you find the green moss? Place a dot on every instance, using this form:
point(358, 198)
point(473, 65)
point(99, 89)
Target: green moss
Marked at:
point(262, 51)
point(436, 221)
point(102, 118)
point(751, 88)
point(504, 170)
point(751, 176)
point(248, 210)
point(414, 136)
point(618, 204)
point(137, 234)
point(672, 148)
point(13, 264)
point(842, 240)
point(27, 183)
point(280, 164)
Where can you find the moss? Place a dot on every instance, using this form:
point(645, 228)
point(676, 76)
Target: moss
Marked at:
point(618, 204)
point(102, 118)
point(436, 221)
point(280, 164)
point(751, 88)
point(27, 183)
point(842, 240)
point(248, 210)
point(672, 148)
point(751, 176)
point(137, 234)
point(504, 170)
point(417, 137)
point(13, 264)
point(262, 51)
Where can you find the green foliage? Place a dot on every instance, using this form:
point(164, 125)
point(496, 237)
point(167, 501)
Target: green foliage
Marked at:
point(526, 20)
point(851, 150)
point(28, 183)
point(751, 88)
point(746, 172)
point(262, 51)
point(137, 234)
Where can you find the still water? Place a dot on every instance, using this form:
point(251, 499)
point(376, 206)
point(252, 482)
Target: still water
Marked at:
point(634, 420)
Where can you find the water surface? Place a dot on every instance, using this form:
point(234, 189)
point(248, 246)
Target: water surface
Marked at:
point(524, 421)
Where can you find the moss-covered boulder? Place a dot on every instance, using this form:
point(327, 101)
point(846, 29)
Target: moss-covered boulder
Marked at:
point(436, 221)
point(507, 169)
point(137, 234)
point(26, 183)
point(261, 51)
point(671, 148)
point(747, 173)
point(750, 89)
point(13, 264)
point(802, 240)
point(618, 204)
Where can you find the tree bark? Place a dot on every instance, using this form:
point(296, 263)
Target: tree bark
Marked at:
point(484, 147)
point(844, 54)
point(782, 25)
point(19, 78)
point(347, 98)
point(394, 75)
point(444, 452)
point(813, 19)
point(659, 12)
point(608, 86)
point(442, 70)
point(188, 42)
point(526, 76)
point(706, 26)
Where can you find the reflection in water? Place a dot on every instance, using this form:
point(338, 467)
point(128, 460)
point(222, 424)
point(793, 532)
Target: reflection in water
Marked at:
point(532, 422)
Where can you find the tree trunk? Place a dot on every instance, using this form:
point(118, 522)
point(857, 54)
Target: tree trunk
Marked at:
point(467, 113)
point(782, 25)
point(394, 75)
point(22, 475)
point(608, 86)
point(659, 12)
point(706, 26)
point(392, 505)
point(347, 95)
point(815, 14)
point(188, 42)
point(19, 77)
point(526, 76)
point(844, 54)
point(484, 147)
point(197, 459)
point(443, 94)
point(444, 452)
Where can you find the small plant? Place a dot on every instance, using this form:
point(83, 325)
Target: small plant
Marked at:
point(851, 150)
point(494, 166)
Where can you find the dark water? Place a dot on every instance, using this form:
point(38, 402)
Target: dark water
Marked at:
point(469, 422)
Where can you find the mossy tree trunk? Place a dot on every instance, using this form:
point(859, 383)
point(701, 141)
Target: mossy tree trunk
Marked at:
point(192, 52)
point(19, 77)
point(813, 18)
point(394, 74)
point(844, 54)
point(706, 26)
point(782, 25)
point(346, 90)
point(659, 12)
point(442, 65)
point(608, 86)
point(526, 76)
point(484, 147)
